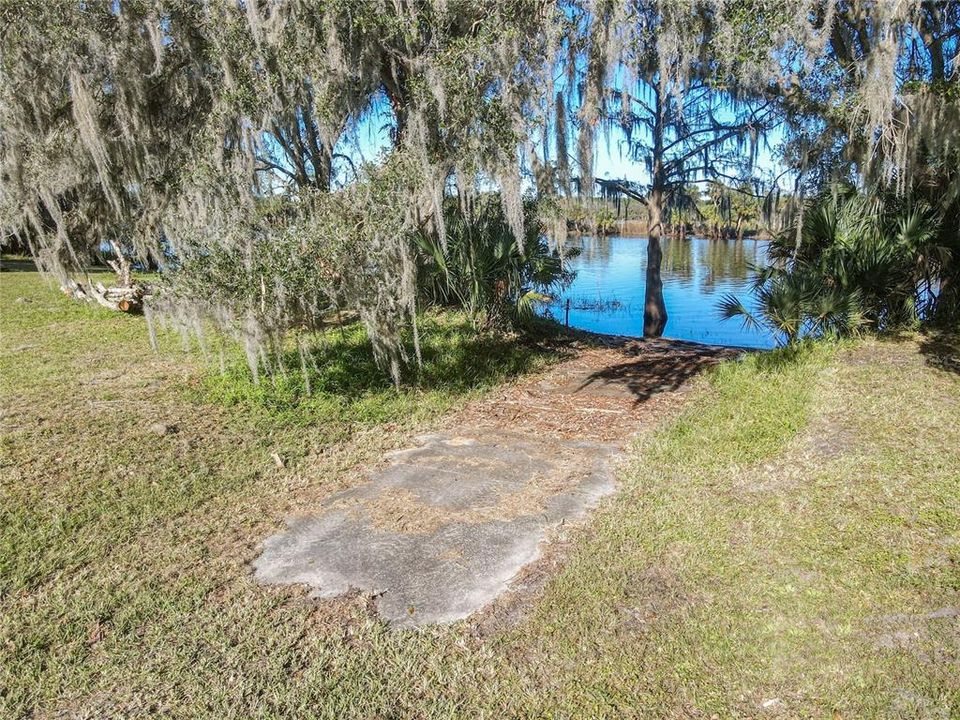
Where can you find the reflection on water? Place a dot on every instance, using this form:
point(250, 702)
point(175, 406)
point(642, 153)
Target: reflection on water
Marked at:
point(607, 295)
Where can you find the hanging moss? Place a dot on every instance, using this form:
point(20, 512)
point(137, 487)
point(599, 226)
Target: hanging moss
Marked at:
point(164, 128)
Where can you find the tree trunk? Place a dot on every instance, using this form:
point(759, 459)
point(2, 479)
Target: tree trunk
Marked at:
point(123, 299)
point(121, 266)
point(654, 309)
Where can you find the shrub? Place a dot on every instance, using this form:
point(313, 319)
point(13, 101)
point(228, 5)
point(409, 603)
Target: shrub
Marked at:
point(482, 268)
point(860, 260)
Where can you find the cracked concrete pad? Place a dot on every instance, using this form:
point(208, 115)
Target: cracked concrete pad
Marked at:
point(443, 528)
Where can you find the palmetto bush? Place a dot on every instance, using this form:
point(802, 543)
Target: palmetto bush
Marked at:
point(482, 268)
point(860, 262)
point(792, 304)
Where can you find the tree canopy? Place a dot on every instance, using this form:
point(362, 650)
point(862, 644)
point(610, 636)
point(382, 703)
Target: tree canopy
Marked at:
point(208, 137)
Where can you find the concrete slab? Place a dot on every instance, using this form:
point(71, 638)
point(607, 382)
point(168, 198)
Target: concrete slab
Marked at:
point(440, 531)
point(446, 524)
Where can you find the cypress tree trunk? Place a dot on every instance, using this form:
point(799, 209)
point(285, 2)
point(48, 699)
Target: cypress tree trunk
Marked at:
point(654, 309)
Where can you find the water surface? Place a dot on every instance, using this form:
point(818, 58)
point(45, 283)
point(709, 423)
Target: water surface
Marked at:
point(607, 294)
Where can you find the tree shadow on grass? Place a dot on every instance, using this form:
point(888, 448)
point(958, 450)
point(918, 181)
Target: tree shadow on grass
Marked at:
point(17, 264)
point(337, 368)
point(941, 348)
point(454, 358)
point(661, 366)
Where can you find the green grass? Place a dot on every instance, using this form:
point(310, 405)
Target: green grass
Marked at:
point(336, 376)
point(780, 542)
point(785, 538)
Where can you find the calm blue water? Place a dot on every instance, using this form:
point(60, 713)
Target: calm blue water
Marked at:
point(607, 295)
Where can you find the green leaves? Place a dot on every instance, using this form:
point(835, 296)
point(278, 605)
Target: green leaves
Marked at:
point(862, 260)
point(480, 266)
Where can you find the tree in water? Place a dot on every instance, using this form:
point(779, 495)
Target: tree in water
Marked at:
point(698, 83)
point(157, 125)
point(682, 114)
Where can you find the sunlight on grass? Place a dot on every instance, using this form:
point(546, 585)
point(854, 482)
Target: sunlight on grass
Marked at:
point(758, 554)
point(787, 539)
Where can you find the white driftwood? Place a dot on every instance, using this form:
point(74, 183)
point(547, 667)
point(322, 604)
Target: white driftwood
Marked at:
point(117, 298)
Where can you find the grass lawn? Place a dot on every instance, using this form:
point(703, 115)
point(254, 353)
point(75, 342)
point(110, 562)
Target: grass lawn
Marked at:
point(789, 546)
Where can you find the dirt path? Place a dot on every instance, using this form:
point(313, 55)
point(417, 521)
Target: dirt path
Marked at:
point(444, 526)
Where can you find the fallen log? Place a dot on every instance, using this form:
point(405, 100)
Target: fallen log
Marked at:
point(118, 298)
